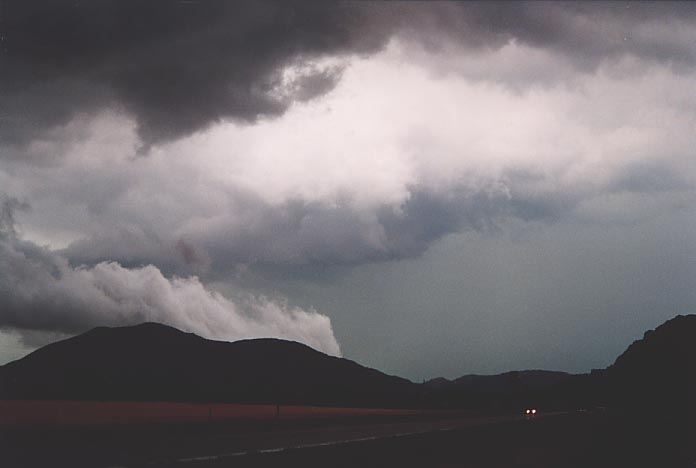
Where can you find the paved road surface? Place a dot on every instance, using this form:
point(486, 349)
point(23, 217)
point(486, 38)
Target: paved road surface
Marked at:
point(550, 440)
point(186, 444)
point(571, 441)
point(239, 446)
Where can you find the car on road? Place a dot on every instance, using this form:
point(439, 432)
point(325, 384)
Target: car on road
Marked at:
point(530, 413)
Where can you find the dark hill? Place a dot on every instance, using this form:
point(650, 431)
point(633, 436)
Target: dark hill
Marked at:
point(656, 375)
point(153, 362)
point(658, 372)
point(670, 348)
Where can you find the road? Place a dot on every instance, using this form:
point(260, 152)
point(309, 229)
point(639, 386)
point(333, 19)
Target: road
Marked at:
point(191, 444)
point(550, 440)
point(565, 440)
point(246, 445)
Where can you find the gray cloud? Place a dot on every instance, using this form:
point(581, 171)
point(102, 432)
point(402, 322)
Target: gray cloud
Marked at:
point(43, 297)
point(648, 177)
point(585, 32)
point(8, 221)
point(180, 66)
point(300, 232)
point(426, 217)
point(176, 66)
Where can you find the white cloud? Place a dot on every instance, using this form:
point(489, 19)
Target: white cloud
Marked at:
point(40, 291)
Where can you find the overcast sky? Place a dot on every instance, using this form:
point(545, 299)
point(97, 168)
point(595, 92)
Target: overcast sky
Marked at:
point(427, 188)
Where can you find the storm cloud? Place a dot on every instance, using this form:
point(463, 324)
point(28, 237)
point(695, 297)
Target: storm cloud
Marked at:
point(178, 67)
point(155, 155)
point(314, 187)
point(214, 60)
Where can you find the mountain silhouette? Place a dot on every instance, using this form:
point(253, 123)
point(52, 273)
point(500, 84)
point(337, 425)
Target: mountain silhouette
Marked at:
point(658, 372)
point(507, 390)
point(510, 381)
point(154, 362)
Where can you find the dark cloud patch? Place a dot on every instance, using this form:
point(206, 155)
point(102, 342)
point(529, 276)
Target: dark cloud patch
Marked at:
point(428, 216)
point(192, 256)
point(176, 66)
point(586, 32)
point(313, 82)
point(133, 246)
point(299, 233)
point(8, 222)
point(255, 232)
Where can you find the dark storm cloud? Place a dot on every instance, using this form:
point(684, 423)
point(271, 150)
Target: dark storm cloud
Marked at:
point(299, 233)
point(427, 216)
point(177, 67)
point(590, 31)
point(84, 83)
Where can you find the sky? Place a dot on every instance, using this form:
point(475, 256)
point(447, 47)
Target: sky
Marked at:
point(432, 189)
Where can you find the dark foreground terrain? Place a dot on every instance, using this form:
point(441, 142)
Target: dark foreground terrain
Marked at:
point(583, 439)
point(151, 395)
point(566, 441)
point(155, 363)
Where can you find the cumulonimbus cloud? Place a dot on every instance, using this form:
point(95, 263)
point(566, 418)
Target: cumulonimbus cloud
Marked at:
point(330, 183)
point(41, 292)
